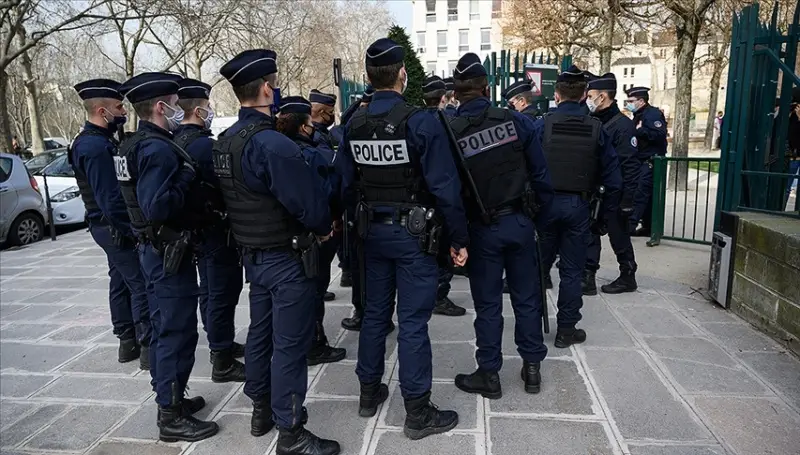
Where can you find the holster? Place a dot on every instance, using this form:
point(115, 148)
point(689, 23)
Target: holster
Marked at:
point(173, 246)
point(362, 220)
point(597, 224)
point(308, 247)
point(120, 240)
point(529, 206)
point(426, 227)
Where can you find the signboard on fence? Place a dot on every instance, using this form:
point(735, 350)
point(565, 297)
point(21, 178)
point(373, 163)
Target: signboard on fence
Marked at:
point(543, 79)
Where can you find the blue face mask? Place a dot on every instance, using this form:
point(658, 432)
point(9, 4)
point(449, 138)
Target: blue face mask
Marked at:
point(631, 107)
point(276, 100)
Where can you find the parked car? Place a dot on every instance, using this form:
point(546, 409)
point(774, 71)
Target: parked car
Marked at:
point(38, 162)
point(65, 197)
point(23, 214)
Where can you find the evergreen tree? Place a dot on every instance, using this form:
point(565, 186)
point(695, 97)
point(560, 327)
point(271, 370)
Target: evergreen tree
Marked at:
point(416, 75)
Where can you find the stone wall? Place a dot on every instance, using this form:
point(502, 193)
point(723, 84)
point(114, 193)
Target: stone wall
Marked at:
point(766, 279)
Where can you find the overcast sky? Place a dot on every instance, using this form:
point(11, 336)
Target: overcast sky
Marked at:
point(401, 11)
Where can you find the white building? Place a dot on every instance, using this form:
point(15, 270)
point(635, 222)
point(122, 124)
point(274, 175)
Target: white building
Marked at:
point(444, 30)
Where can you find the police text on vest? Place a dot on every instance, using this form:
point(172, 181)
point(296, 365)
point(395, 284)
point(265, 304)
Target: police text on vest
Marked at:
point(487, 139)
point(380, 153)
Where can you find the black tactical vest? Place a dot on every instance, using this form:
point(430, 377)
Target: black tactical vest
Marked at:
point(494, 157)
point(207, 205)
point(570, 147)
point(387, 174)
point(87, 195)
point(257, 220)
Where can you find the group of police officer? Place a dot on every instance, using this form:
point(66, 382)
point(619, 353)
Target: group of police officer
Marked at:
point(403, 197)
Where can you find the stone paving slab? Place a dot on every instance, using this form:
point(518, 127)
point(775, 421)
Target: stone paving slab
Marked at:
point(663, 372)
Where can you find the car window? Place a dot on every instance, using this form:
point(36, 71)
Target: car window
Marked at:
point(40, 160)
point(60, 167)
point(5, 168)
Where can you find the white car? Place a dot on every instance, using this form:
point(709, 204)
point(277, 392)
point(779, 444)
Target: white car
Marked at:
point(65, 197)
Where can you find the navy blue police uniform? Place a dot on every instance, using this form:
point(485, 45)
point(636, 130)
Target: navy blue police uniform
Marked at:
point(218, 264)
point(651, 134)
point(498, 146)
point(320, 162)
point(623, 137)
point(433, 88)
point(276, 206)
point(450, 109)
point(394, 157)
point(580, 158)
point(91, 155)
point(156, 181)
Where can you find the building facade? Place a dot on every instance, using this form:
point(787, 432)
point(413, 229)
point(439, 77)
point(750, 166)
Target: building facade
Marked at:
point(444, 30)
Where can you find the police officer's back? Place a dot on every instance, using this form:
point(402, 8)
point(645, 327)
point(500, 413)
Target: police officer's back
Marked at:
point(520, 98)
point(601, 103)
point(580, 159)
point(510, 182)
point(217, 258)
point(91, 156)
point(277, 210)
point(156, 181)
point(392, 155)
point(651, 134)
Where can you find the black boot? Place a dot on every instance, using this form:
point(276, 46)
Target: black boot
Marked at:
point(321, 351)
point(625, 283)
point(328, 296)
point(174, 424)
point(423, 418)
point(589, 285)
point(189, 406)
point(261, 420)
point(531, 376)
point(238, 350)
point(128, 350)
point(225, 368)
point(372, 395)
point(446, 307)
point(346, 280)
point(485, 383)
point(567, 337)
point(548, 282)
point(354, 322)
point(144, 358)
point(506, 290)
point(299, 441)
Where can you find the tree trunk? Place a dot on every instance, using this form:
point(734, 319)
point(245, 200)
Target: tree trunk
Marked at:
point(713, 99)
point(5, 122)
point(608, 40)
point(31, 98)
point(687, 44)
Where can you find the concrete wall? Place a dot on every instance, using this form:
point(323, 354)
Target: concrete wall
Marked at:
point(766, 280)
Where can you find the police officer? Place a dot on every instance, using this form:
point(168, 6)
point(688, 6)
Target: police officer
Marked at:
point(322, 117)
point(92, 158)
point(218, 259)
point(451, 103)
point(498, 145)
point(580, 158)
point(157, 183)
point(277, 208)
point(394, 155)
point(519, 97)
point(294, 121)
point(651, 134)
point(600, 100)
point(433, 93)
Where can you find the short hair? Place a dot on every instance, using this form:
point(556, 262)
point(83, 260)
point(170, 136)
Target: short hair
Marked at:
point(469, 89)
point(188, 104)
point(612, 94)
point(432, 99)
point(383, 77)
point(250, 90)
point(571, 90)
point(289, 124)
point(144, 109)
point(93, 104)
point(527, 96)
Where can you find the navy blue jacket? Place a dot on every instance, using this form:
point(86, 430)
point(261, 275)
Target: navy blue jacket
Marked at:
point(427, 139)
point(273, 164)
point(651, 132)
point(623, 138)
point(200, 150)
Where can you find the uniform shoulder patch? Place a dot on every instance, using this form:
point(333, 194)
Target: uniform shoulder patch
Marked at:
point(658, 124)
point(634, 142)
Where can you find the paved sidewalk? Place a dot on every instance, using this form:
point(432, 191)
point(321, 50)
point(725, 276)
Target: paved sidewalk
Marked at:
point(662, 373)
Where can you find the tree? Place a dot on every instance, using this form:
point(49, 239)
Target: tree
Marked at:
point(416, 75)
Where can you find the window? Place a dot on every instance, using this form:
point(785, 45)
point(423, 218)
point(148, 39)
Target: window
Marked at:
point(486, 42)
point(5, 168)
point(431, 8)
point(497, 7)
point(633, 70)
point(441, 40)
point(473, 10)
point(451, 66)
point(452, 10)
point(663, 53)
point(430, 68)
point(463, 40)
point(625, 72)
point(421, 42)
point(674, 69)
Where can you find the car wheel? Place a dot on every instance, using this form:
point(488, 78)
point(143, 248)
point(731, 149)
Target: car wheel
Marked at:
point(26, 229)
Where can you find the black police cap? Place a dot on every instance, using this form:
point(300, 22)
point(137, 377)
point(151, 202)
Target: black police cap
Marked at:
point(193, 89)
point(98, 88)
point(515, 89)
point(449, 84)
point(607, 82)
point(638, 92)
point(316, 96)
point(146, 86)
point(249, 66)
point(469, 67)
point(572, 74)
point(432, 84)
point(294, 105)
point(384, 52)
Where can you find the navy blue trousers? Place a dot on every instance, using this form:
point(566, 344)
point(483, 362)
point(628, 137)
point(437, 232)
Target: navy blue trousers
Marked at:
point(508, 244)
point(282, 313)
point(620, 237)
point(221, 281)
point(643, 200)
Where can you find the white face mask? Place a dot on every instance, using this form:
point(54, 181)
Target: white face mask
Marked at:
point(174, 120)
point(209, 117)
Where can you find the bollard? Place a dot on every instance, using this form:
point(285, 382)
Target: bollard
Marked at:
point(49, 209)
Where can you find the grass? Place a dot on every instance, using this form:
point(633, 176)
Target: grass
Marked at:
point(704, 166)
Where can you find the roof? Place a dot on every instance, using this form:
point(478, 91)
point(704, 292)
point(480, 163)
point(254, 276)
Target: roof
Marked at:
point(631, 61)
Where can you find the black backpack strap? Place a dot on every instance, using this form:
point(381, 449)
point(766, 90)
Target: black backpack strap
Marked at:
point(397, 115)
point(496, 113)
point(358, 119)
point(184, 140)
point(614, 119)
